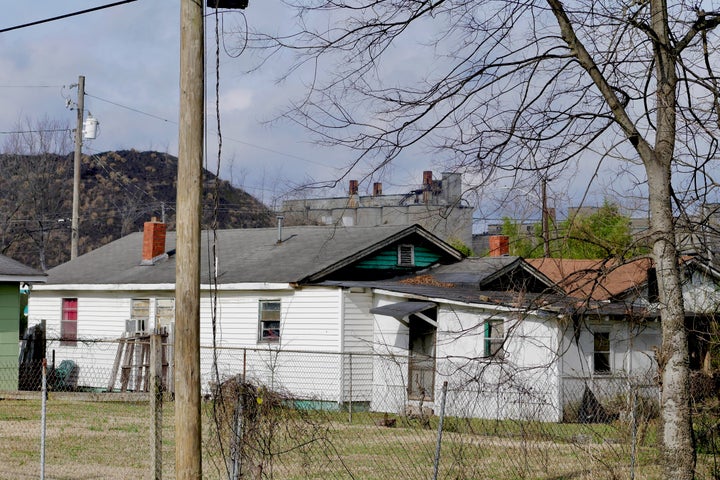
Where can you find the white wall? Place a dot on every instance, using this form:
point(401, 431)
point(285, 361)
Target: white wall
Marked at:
point(524, 384)
point(310, 322)
point(521, 384)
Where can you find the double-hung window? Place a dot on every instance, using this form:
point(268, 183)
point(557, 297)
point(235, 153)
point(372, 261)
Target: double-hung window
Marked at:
point(68, 322)
point(269, 320)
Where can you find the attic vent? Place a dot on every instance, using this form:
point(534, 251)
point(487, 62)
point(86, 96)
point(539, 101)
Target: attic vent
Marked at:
point(406, 256)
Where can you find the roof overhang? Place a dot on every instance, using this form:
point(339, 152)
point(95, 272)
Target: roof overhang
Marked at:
point(24, 278)
point(401, 311)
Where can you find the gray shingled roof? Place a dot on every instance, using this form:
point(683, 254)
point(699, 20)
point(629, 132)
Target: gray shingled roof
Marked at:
point(13, 270)
point(244, 255)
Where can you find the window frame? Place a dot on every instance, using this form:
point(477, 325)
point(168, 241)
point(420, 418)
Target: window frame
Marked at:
point(265, 319)
point(494, 341)
point(68, 326)
point(607, 354)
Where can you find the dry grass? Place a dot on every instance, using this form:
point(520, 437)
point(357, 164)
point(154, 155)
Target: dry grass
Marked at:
point(112, 441)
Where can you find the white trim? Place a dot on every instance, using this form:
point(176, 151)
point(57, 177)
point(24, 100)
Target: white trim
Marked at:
point(486, 306)
point(136, 287)
point(23, 278)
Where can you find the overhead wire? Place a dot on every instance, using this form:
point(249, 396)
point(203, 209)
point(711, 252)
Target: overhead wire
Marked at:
point(67, 15)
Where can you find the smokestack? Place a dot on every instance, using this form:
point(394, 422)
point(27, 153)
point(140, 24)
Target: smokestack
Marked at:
point(427, 185)
point(499, 245)
point(353, 188)
point(377, 189)
point(154, 233)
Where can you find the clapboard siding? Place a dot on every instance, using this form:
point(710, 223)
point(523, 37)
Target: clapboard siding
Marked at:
point(358, 337)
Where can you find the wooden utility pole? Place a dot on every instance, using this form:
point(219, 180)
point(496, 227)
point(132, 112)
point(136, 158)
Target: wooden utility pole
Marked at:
point(188, 464)
point(74, 232)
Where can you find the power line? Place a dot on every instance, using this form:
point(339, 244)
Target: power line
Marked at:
point(130, 108)
point(36, 131)
point(225, 137)
point(60, 17)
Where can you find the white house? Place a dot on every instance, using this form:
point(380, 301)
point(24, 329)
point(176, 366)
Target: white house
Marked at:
point(380, 317)
point(267, 299)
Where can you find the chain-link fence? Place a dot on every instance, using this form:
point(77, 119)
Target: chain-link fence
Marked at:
point(282, 414)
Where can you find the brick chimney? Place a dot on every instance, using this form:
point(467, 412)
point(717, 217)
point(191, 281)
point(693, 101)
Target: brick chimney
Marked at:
point(427, 185)
point(377, 189)
point(499, 245)
point(353, 187)
point(153, 241)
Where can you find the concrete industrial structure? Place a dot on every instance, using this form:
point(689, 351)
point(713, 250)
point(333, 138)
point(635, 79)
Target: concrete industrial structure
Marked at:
point(437, 205)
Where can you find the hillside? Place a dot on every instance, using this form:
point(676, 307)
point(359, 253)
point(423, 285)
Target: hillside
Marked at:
point(119, 191)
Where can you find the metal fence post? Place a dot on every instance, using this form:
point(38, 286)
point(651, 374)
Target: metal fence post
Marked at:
point(43, 419)
point(436, 465)
point(350, 406)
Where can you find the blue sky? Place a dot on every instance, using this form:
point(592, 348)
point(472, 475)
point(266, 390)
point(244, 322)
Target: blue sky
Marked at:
point(129, 57)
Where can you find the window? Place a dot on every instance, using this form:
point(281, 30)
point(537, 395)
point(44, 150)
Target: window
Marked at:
point(406, 255)
point(68, 322)
point(269, 314)
point(164, 312)
point(601, 352)
point(139, 315)
point(652, 285)
point(494, 338)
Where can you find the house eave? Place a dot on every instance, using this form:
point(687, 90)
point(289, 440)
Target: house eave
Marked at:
point(23, 278)
point(486, 306)
point(161, 287)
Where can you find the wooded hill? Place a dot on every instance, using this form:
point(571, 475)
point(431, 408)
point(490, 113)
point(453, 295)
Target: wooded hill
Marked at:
point(119, 191)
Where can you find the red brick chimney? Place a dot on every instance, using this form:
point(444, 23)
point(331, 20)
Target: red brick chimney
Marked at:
point(153, 240)
point(353, 187)
point(427, 185)
point(499, 245)
point(377, 189)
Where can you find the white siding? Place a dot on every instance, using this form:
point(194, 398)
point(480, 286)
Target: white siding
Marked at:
point(357, 339)
point(522, 384)
point(390, 366)
point(310, 322)
point(632, 361)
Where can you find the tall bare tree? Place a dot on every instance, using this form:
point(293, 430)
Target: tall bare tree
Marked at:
point(35, 169)
point(511, 88)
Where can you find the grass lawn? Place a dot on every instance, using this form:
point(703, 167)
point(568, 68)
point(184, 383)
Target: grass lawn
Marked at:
point(109, 440)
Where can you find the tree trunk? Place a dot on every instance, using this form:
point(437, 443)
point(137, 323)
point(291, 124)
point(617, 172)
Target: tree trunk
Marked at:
point(677, 437)
point(673, 361)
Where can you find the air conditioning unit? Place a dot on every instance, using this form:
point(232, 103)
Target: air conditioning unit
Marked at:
point(135, 326)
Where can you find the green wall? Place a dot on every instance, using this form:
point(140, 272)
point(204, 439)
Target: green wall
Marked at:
point(9, 334)
point(387, 259)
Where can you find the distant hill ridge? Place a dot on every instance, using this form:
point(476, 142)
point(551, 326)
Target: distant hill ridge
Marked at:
point(119, 191)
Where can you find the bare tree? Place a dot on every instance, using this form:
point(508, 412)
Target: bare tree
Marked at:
point(36, 170)
point(510, 83)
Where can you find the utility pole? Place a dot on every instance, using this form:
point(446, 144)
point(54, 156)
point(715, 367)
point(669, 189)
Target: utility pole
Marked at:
point(188, 463)
point(74, 233)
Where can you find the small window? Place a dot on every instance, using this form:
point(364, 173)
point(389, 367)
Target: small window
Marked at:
point(494, 338)
point(68, 322)
point(139, 315)
point(601, 352)
point(406, 255)
point(269, 316)
point(165, 312)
